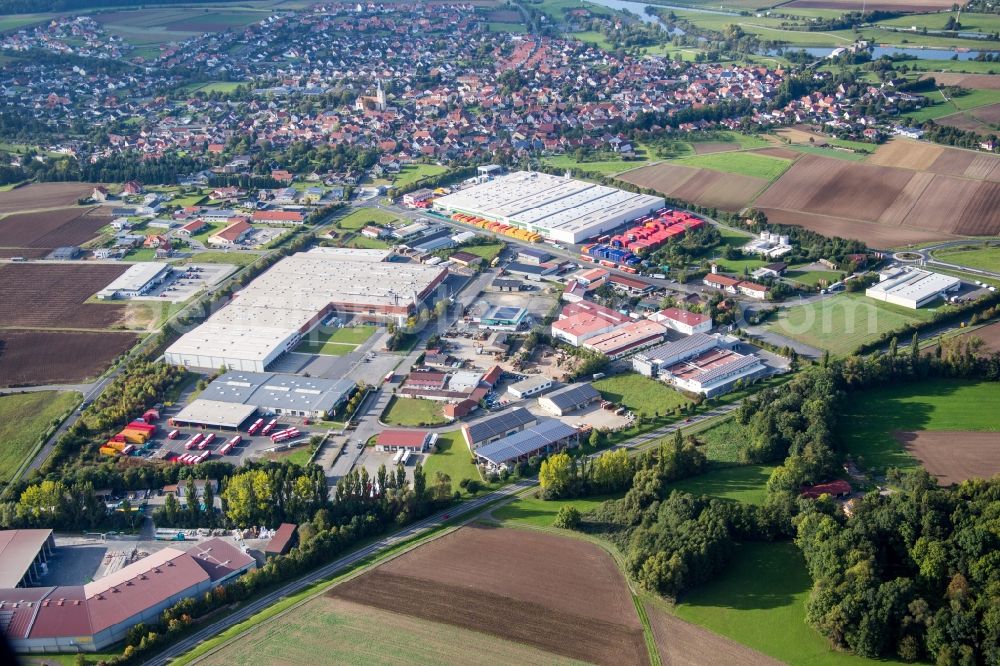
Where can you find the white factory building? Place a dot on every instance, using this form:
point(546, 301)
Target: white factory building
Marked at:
point(557, 207)
point(271, 314)
point(769, 245)
point(911, 287)
point(137, 280)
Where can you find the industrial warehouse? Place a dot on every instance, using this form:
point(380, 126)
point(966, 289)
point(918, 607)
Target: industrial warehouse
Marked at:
point(556, 207)
point(911, 287)
point(270, 316)
point(699, 363)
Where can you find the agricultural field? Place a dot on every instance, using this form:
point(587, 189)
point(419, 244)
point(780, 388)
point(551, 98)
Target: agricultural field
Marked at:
point(907, 192)
point(955, 456)
point(554, 593)
point(888, 5)
point(743, 483)
point(362, 217)
point(843, 322)
point(413, 412)
point(46, 230)
point(499, 26)
point(414, 173)
point(58, 357)
point(338, 342)
point(942, 106)
point(989, 334)
point(760, 601)
point(740, 163)
point(606, 166)
point(541, 513)
point(157, 26)
point(24, 418)
point(355, 634)
point(213, 87)
point(873, 419)
point(682, 643)
point(641, 395)
point(981, 120)
point(53, 295)
point(705, 187)
point(983, 257)
point(976, 81)
point(35, 196)
point(971, 22)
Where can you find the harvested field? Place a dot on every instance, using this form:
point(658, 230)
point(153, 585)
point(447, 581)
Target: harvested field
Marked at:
point(874, 235)
point(702, 186)
point(942, 201)
point(783, 153)
point(684, 644)
point(906, 154)
point(954, 457)
point(706, 147)
point(559, 594)
point(53, 295)
point(980, 81)
point(51, 229)
point(26, 252)
point(43, 195)
point(972, 121)
point(57, 357)
point(990, 335)
point(859, 5)
point(334, 631)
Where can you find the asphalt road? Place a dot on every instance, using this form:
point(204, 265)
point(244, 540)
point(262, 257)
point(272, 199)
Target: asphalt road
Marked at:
point(469, 509)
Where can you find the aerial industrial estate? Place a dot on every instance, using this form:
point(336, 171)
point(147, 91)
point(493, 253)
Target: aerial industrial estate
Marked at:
point(520, 332)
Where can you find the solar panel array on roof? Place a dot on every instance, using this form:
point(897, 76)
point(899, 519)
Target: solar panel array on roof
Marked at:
point(527, 442)
point(572, 395)
point(500, 424)
point(692, 344)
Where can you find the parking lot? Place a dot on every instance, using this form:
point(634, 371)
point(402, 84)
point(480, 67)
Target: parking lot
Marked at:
point(186, 281)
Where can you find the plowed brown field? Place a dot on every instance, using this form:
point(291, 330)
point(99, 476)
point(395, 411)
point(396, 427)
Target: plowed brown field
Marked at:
point(953, 457)
point(705, 147)
point(990, 335)
point(863, 5)
point(875, 235)
point(981, 81)
point(57, 357)
point(560, 594)
point(43, 195)
point(51, 229)
point(701, 186)
point(684, 644)
point(52, 296)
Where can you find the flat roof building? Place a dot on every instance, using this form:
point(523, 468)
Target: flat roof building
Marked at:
point(503, 318)
point(569, 399)
point(137, 280)
point(683, 321)
point(497, 427)
point(545, 436)
point(531, 386)
point(650, 361)
point(912, 287)
point(274, 393)
point(713, 372)
point(627, 338)
point(215, 414)
point(556, 207)
point(270, 315)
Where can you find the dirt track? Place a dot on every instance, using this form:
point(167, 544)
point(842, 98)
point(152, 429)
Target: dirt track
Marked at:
point(953, 457)
point(563, 595)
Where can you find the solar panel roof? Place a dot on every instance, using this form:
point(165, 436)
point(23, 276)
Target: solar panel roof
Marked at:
point(499, 424)
point(526, 442)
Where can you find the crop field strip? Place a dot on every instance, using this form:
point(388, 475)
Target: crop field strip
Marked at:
point(561, 595)
point(58, 357)
point(698, 185)
point(52, 296)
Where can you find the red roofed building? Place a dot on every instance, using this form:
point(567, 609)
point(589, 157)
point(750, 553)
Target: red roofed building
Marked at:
point(232, 235)
point(723, 282)
point(456, 410)
point(411, 440)
point(836, 488)
point(683, 321)
point(191, 228)
point(752, 289)
point(279, 217)
point(282, 540)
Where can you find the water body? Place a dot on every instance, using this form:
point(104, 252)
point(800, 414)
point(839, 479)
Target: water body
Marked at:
point(879, 51)
point(640, 8)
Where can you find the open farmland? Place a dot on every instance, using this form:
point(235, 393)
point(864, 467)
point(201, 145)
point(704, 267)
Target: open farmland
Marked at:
point(24, 418)
point(555, 593)
point(858, 5)
point(954, 456)
point(978, 81)
point(57, 357)
point(990, 335)
point(740, 163)
point(52, 296)
point(684, 644)
point(890, 205)
point(843, 322)
point(50, 229)
point(36, 196)
point(981, 119)
point(873, 418)
point(701, 186)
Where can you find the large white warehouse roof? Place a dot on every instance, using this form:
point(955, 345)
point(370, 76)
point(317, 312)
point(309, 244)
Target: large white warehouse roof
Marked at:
point(557, 207)
point(913, 287)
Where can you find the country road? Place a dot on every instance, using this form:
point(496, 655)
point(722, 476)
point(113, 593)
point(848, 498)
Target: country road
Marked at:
point(468, 509)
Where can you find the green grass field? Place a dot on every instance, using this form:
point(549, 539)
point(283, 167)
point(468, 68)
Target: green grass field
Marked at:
point(212, 87)
point(605, 167)
point(593, 37)
point(413, 173)
point(739, 266)
point(981, 256)
point(722, 442)
point(487, 252)
point(24, 418)
point(971, 22)
point(235, 258)
point(746, 483)
point(759, 600)
point(413, 412)
point(973, 99)
point(968, 66)
point(744, 164)
point(541, 513)
point(843, 322)
point(812, 278)
point(337, 343)
point(870, 417)
point(362, 217)
point(453, 458)
point(640, 394)
point(831, 152)
point(500, 26)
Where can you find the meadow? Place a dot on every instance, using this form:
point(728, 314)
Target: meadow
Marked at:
point(741, 163)
point(984, 257)
point(338, 342)
point(641, 395)
point(413, 412)
point(453, 458)
point(941, 107)
point(871, 417)
point(743, 483)
point(362, 217)
point(414, 173)
point(24, 418)
point(843, 322)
